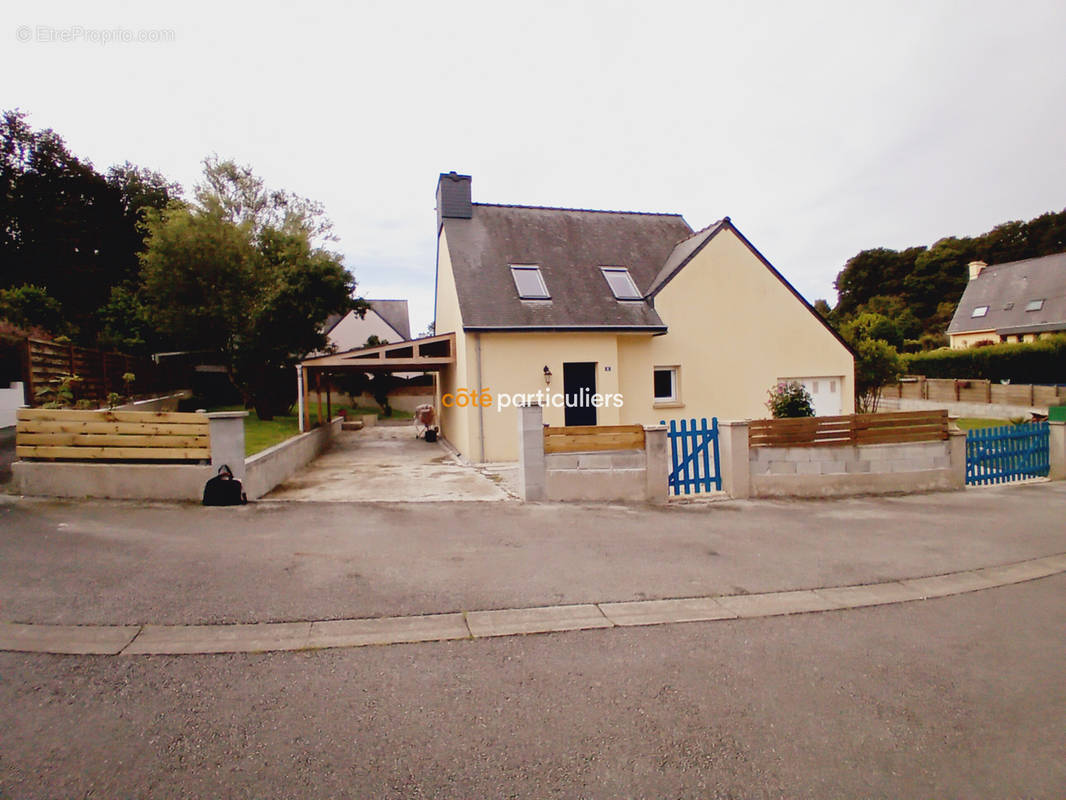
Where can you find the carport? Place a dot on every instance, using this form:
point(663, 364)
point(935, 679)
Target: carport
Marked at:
point(428, 354)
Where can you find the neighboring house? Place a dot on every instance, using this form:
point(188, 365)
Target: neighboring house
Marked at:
point(679, 323)
point(1015, 302)
point(386, 319)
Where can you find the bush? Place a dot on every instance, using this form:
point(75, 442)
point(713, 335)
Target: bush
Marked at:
point(790, 400)
point(1043, 361)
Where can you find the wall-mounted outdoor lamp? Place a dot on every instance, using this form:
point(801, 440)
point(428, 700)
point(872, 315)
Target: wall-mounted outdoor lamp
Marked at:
point(547, 376)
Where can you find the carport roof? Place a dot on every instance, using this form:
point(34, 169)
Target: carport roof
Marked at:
point(428, 354)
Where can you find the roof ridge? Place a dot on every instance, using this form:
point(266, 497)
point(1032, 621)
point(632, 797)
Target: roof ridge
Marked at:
point(702, 230)
point(585, 210)
point(1023, 260)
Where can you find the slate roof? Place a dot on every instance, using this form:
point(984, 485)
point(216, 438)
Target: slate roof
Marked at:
point(395, 313)
point(569, 246)
point(1015, 284)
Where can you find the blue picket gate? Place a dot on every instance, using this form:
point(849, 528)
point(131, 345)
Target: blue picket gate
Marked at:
point(694, 463)
point(1008, 453)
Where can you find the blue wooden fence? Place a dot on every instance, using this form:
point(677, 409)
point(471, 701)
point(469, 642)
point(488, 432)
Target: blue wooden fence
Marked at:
point(1008, 453)
point(694, 463)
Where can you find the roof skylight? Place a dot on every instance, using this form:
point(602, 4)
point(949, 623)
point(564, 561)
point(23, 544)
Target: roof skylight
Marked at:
point(529, 282)
point(621, 283)
point(1034, 305)
point(980, 311)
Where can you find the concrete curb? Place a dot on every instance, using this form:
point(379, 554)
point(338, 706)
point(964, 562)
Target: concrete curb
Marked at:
point(322, 634)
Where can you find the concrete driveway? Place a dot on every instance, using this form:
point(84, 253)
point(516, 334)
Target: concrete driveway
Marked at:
point(387, 463)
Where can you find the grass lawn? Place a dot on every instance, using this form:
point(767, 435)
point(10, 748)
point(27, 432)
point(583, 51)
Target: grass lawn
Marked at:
point(973, 423)
point(260, 434)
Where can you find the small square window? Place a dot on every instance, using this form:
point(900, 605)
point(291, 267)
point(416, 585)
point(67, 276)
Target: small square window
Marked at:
point(980, 311)
point(621, 283)
point(1008, 306)
point(1034, 305)
point(530, 283)
point(666, 389)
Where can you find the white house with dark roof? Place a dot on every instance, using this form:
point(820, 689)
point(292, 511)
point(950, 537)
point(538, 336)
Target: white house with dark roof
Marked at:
point(1019, 301)
point(388, 320)
point(656, 320)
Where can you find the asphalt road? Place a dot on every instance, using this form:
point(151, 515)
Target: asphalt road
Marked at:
point(958, 697)
point(130, 563)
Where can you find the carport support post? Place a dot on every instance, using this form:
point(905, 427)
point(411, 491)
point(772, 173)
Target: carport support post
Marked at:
point(733, 455)
point(532, 478)
point(1057, 440)
point(300, 395)
point(227, 440)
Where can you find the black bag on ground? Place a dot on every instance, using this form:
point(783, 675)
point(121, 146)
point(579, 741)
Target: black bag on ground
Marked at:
point(224, 489)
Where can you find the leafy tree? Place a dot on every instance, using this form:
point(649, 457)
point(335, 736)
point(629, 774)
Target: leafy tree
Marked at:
point(124, 324)
point(872, 326)
point(239, 271)
point(869, 273)
point(65, 227)
point(877, 364)
point(31, 306)
point(939, 273)
point(823, 309)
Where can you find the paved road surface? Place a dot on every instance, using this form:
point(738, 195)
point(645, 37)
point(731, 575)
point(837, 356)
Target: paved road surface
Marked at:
point(960, 697)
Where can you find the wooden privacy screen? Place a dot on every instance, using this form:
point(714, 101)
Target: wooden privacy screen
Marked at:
point(100, 372)
point(904, 426)
point(111, 435)
point(586, 438)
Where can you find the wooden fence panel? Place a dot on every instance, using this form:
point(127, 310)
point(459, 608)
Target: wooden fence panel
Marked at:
point(112, 435)
point(853, 429)
point(100, 372)
point(588, 438)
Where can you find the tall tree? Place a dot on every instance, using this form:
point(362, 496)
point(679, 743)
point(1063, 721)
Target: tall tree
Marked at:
point(243, 271)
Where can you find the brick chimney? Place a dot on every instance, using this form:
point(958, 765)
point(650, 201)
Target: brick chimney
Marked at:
point(976, 267)
point(453, 197)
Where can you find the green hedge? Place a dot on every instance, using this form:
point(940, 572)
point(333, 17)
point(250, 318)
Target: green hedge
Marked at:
point(1043, 361)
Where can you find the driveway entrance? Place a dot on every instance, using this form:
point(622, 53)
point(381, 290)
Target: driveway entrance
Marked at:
point(387, 463)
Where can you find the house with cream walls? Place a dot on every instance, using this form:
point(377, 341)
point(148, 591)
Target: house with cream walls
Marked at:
point(1019, 301)
point(634, 317)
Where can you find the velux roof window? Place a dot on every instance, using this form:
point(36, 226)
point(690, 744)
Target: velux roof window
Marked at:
point(621, 283)
point(1034, 305)
point(529, 282)
point(980, 311)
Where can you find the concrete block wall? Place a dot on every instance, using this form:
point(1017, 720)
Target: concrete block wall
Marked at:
point(602, 476)
point(838, 470)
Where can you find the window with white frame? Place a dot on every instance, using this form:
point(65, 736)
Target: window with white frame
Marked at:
point(621, 283)
point(529, 282)
point(980, 311)
point(666, 385)
point(1034, 305)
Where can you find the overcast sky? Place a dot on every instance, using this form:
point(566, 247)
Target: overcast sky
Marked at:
point(820, 128)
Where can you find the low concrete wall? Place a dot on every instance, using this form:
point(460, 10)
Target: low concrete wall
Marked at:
point(11, 400)
point(276, 464)
point(863, 469)
point(118, 481)
point(402, 400)
point(834, 471)
point(986, 410)
point(626, 476)
point(611, 475)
